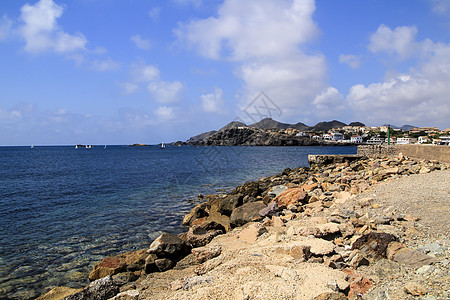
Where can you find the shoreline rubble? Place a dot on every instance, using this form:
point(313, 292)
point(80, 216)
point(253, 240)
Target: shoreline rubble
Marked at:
point(305, 233)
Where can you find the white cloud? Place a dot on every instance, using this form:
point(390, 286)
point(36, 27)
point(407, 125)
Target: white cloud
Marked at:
point(154, 13)
point(164, 91)
point(264, 37)
point(419, 97)
point(42, 33)
point(158, 89)
point(252, 29)
point(213, 102)
point(329, 103)
point(105, 65)
point(352, 60)
point(5, 27)
point(164, 113)
point(399, 41)
point(142, 72)
point(140, 42)
point(441, 7)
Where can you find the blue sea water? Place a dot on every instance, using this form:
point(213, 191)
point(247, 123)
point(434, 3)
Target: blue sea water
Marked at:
point(64, 209)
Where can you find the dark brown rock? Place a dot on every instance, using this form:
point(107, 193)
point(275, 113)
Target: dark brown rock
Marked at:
point(229, 203)
point(246, 213)
point(374, 244)
point(164, 264)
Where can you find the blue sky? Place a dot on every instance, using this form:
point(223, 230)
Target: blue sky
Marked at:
point(121, 72)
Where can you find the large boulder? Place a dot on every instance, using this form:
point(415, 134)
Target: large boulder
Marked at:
point(250, 189)
point(100, 289)
point(116, 264)
point(246, 213)
point(374, 244)
point(169, 246)
point(290, 196)
point(199, 211)
point(229, 203)
point(199, 236)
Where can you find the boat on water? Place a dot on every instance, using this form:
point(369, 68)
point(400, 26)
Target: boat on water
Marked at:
point(162, 146)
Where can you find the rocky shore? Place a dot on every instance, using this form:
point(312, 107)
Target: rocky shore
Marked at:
point(370, 228)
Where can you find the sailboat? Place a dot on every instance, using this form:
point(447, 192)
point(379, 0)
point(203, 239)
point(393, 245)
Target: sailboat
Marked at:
point(76, 146)
point(162, 146)
point(32, 146)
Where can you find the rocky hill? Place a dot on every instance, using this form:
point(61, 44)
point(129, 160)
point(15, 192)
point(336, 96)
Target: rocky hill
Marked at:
point(266, 132)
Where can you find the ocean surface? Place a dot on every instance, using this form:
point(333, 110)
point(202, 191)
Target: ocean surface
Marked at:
point(64, 209)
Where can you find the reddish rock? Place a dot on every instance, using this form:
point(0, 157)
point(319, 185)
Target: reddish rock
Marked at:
point(359, 284)
point(290, 196)
point(116, 264)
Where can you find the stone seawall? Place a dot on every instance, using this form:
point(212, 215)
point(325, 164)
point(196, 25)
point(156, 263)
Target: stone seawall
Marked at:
point(430, 152)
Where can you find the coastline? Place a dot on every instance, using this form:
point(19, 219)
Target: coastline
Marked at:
point(301, 201)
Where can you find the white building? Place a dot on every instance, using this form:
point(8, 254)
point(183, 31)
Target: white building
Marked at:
point(406, 140)
point(375, 140)
point(327, 137)
point(445, 140)
point(357, 139)
point(423, 139)
point(337, 136)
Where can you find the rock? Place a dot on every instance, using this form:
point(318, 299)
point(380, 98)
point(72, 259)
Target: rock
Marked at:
point(252, 232)
point(164, 264)
point(203, 254)
point(270, 210)
point(209, 265)
point(57, 293)
point(250, 189)
point(229, 203)
point(124, 278)
point(415, 289)
point(357, 259)
point(327, 229)
point(277, 222)
point(276, 190)
point(100, 289)
point(386, 269)
point(127, 295)
point(290, 196)
point(119, 263)
point(197, 212)
point(412, 258)
point(342, 197)
point(150, 265)
point(246, 213)
point(358, 284)
point(374, 244)
point(331, 296)
point(425, 270)
point(199, 236)
point(169, 246)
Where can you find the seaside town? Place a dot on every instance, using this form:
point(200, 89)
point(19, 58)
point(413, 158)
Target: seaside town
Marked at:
point(377, 135)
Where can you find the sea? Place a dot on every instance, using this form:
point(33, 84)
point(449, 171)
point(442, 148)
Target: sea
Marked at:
point(62, 209)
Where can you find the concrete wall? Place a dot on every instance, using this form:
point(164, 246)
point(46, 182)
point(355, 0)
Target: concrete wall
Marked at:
point(430, 152)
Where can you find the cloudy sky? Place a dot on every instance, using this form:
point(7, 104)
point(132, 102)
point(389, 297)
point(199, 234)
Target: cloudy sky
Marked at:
point(120, 72)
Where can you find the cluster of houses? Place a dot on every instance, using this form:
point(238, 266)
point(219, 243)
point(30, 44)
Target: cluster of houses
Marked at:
point(379, 135)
